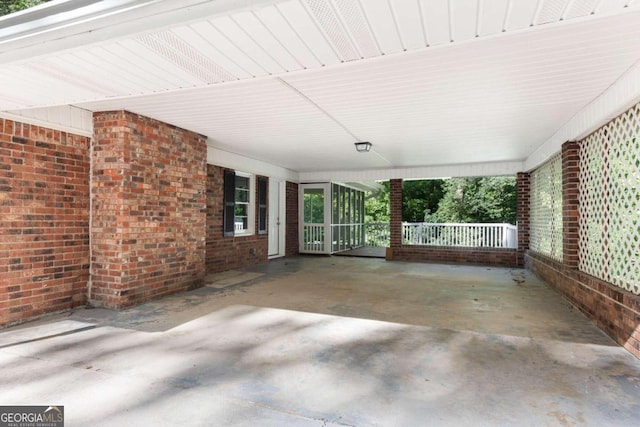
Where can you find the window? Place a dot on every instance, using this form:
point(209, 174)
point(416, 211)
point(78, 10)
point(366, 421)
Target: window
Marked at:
point(238, 203)
point(262, 205)
point(242, 203)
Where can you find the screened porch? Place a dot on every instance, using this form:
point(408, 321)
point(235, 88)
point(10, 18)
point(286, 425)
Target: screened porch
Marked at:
point(332, 218)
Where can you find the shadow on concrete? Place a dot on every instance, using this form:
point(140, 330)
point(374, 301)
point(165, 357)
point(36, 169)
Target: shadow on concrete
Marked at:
point(243, 365)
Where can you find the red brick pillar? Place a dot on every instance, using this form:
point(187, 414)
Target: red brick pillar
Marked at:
point(523, 194)
point(395, 211)
point(291, 227)
point(148, 209)
point(570, 203)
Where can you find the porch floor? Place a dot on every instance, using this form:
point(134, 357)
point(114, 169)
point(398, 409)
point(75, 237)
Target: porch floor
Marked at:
point(365, 252)
point(330, 341)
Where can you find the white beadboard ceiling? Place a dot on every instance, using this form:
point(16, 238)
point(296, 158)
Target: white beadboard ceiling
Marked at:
point(297, 82)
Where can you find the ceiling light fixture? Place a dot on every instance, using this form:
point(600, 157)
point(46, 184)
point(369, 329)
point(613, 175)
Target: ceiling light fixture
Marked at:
point(363, 147)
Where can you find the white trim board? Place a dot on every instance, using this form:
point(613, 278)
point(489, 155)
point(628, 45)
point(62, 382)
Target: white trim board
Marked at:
point(64, 118)
point(427, 172)
point(218, 157)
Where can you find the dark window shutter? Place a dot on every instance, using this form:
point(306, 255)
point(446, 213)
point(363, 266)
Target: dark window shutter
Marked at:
point(262, 205)
point(229, 202)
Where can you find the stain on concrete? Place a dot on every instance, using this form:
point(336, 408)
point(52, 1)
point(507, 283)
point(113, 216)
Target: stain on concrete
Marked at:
point(336, 341)
point(230, 278)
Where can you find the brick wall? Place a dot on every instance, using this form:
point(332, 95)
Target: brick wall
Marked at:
point(155, 229)
point(224, 252)
point(523, 208)
point(44, 221)
point(450, 255)
point(612, 309)
point(292, 244)
point(149, 209)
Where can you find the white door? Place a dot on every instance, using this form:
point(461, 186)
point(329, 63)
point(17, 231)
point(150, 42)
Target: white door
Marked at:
point(275, 218)
point(315, 218)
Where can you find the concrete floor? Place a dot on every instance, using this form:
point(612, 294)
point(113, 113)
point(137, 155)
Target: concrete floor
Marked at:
point(330, 341)
point(365, 252)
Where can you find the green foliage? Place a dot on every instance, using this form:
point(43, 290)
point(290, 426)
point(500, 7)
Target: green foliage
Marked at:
point(491, 199)
point(11, 6)
point(376, 207)
point(420, 199)
point(314, 206)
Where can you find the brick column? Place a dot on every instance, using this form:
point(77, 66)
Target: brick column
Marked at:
point(395, 211)
point(291, 240)
point(570, 203)
point(523, 194)
point(148, 209)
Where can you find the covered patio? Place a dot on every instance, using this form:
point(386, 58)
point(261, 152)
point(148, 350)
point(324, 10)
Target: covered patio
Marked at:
point(154, 162)
point(317, 341)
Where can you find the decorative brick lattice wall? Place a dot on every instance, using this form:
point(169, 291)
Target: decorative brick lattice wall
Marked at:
point(229, 252)
point(546, 209)
point(609, 246)
point(149, 209)
point(44, 221)
point(601, 228)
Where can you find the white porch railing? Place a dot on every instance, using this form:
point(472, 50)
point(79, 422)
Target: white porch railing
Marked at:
point(421, 233)
point(460, 235)
point(313, 238)
point(377, 234)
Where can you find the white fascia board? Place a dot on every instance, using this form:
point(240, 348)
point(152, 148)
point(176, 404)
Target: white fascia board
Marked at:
point(65, 118)
point(218, 157)
point(619, 97)
point(425, 172)
point(372, 186)
point(61, 25)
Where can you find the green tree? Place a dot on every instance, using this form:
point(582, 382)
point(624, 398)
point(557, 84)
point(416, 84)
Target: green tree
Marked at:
point(314, 206)
point(490, 199)
point(376, 205)
point(420, 199)
point(11, 6)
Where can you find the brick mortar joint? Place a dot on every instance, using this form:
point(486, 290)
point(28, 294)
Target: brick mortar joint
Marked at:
point(581, 283)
